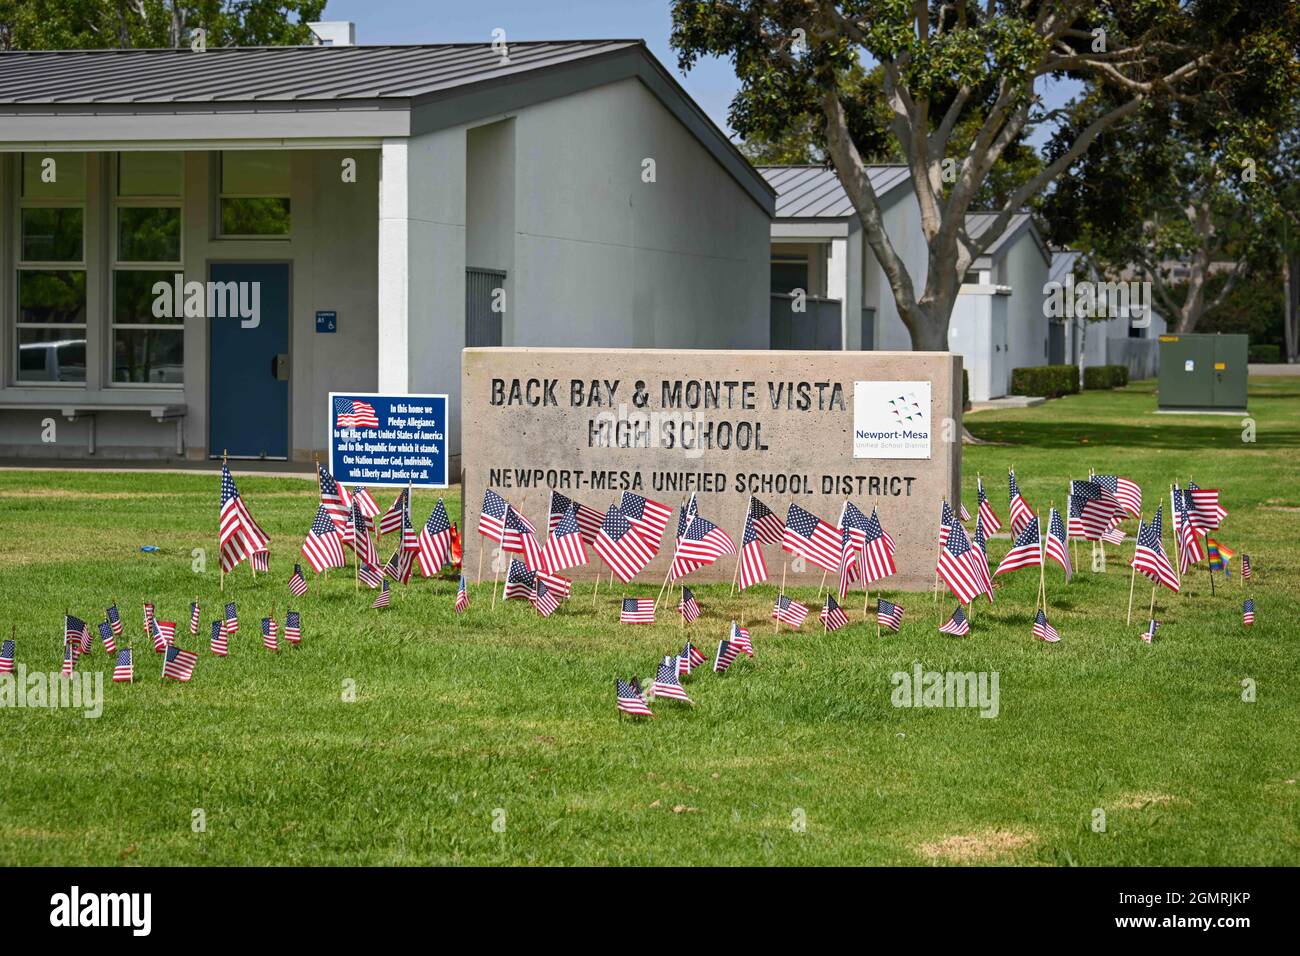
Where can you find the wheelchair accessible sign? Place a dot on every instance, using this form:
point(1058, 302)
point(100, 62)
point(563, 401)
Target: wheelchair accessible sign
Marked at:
point(388, 439)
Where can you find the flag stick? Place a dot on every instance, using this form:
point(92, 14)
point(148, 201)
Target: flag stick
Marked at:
point(1152, 612)
point(822, 585)
point(495, 581)
point(1133, 577)
point(480, 563)
point(740, 552)
point(1042, 567)
point(735, 574)
point(597, 586)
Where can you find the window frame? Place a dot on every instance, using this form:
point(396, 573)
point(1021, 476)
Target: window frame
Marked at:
point(219, 195)
point(21, 264)
point(117, 202)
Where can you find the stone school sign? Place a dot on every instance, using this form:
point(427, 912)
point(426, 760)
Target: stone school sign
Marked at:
point(815, 428)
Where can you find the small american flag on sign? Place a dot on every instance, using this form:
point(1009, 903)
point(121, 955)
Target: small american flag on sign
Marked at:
point(354, 413)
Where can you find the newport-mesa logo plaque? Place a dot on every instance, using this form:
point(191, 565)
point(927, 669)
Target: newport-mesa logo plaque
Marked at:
point(725, 425)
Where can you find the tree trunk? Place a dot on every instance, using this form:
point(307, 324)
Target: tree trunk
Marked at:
point(1291, 304)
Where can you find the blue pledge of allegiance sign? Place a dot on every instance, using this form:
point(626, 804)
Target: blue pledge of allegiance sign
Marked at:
point(388, 439)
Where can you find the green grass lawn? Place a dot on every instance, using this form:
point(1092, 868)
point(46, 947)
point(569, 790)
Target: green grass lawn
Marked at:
point(457, 720)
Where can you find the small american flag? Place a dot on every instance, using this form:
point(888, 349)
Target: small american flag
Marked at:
point(740, 637)
point(703, 542)
point(164, 635)
point(690, 659)
point(7, 657)
point(560, 587)
point(1026, 551)
point(410, 541)
point(370, 576)
point(293, 627)
point(589, 519)
point(637, 611)
point(1126, 492)
point(1057, 544)
point(107, 637)
point(519, 537)
point(68, 661)
point(217, 640)
point(564, 547)
point(957, 624)
point(649, 518)
point(232, 618)
point(1207, 512)
point(369, 507)
point(520, 581)
point(1245, 566)
point(354, 413)
point(961, 510)
point(667, 683)
point(323, 548)
point(391, 520)
point(115, 619)
point(888, 614)
point(688, 607)
point(544, 600)
point(382, 600)
point(297, 583)
point(239, 534)
point(194, 617)
point(849, 556)
point(1096, 510)
point(877, 551)
point(1149, 557)
point(1020, 510)
point(629, 700)
point(270, 634)
point(435, 542)
point(261, 561)
point(358, 536)
point(1114, 535)
point(789, 612)
point(1044, 631)
point(753, 569)
point(624, 550)
point(462, 597)
point(810, 537)
point(986, 511)
point(74, 628)
point(124, 670)
point(832, 615)
point(1149, 634)
point(689, 509)
point(727, 653)
point(1248, 612)
point(492, 516)
point(958, 565)
point(399, 566)
point(766, 522)
point(179, 664)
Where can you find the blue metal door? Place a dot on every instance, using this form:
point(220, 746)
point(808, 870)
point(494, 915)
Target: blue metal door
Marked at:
point(248, 361)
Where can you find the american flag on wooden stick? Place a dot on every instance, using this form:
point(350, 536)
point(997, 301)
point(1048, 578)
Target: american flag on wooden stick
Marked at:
point(850, 553)
point(1026, 550)
point(703, 542)
point(767, 523)
point(360, 542)
point(753, 569)
point(1207, 513)
point(1248, 612)
point(370, 575)
point(297, 583)
point(648, 518)
point(7, 657)
point(74, 628)
point(1245, 566)
point(520, 537)
point(543, 599)
point(727, 653)
point(217, 640)
point(163, 635)
point(1044, 631)
point(788, 611)
point(810, 537)
point(1149, 634)
point(107, 637)
point(626, 552)
point(965, 515)
point(637, 611)
point(239, 534)
point(1123, 490)
point(270, 634)
point(689, 659)
point(462, 597)
point(739, 636)
point(1020, 510)
point(115, 620)
point(369, 507)
point(435, 542)
point(323, 548)
point(957, 624)
point(492, 516)
point(832, 615)
point(991, 522)
point(392, 519)
point(69, 661)
point(1189, 539)
point(399, 566)
point(877, 551)
point(589, 519)
point(688, 607)
point(888, 614)
point(958, 566)
point(194, 617)
point(384, 597)
point(232, 618)
point(520, 581)
point(1149, 558)
point(689, 509)
point(124, 669)
point(260, 560)
point(564, 548)
point(179, 664)
point(667, 683)
point(629, 700)
point(293, 627)
point(336, 501)
point(1057, 543)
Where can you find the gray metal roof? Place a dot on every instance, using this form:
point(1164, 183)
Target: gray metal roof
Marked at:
point(815, 192)
point(978, 222)
point(274, 74)
point(1062, 264)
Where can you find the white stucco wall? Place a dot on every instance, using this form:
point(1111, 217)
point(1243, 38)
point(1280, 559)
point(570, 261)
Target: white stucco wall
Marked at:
point(903, 226)
point(1024, 268)
point(605, 259)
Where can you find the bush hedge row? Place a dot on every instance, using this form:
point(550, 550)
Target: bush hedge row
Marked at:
point(1265, 353)
point(1047, 381)
point(1105, 376)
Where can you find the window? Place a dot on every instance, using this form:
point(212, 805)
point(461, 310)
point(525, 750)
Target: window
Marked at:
point(254, 195)
point(146, 349)
point(789, 273)
point(51, 272)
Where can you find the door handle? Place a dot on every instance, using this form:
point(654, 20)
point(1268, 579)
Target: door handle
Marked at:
point(280, 367)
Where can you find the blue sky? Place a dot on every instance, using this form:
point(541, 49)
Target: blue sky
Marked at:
point(711, 83)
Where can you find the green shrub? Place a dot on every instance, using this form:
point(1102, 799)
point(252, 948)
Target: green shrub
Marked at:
point(1265, 353)
point(1105, 376)
point(1048, 381)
